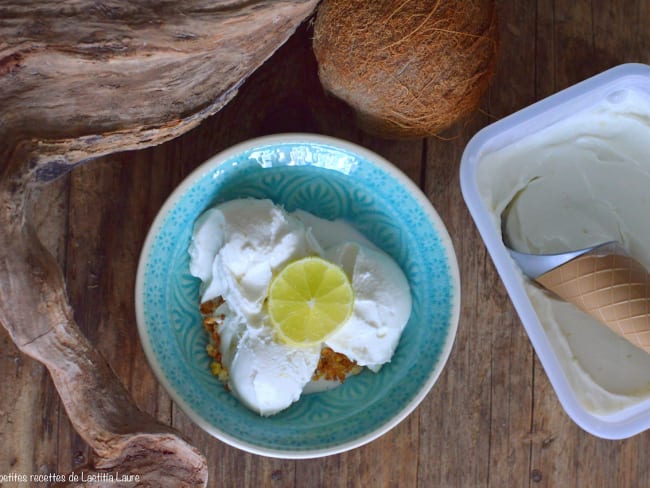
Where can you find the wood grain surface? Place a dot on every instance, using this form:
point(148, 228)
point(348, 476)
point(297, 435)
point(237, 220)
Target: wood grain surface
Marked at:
point(492, 419)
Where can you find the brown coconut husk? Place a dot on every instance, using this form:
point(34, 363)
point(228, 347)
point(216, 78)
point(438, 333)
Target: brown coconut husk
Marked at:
point(409, 68)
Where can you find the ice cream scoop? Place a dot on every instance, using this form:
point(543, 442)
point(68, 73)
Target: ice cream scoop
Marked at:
point(601, 280)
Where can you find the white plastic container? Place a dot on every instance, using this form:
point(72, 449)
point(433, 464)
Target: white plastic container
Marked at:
point(627, 421)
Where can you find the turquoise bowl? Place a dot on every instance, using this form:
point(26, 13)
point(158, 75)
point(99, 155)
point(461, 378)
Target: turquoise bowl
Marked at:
point(331, 179)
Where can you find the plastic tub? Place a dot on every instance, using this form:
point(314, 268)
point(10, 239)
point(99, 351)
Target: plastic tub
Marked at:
point(617, 424)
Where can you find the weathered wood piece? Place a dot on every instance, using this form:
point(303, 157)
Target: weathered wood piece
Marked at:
point(80, 79)
point(83, 78)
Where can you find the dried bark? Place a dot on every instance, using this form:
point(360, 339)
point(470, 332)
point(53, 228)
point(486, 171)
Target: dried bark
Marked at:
point(80, 79)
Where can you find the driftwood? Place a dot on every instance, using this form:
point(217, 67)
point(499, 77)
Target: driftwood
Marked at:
point(81, 79)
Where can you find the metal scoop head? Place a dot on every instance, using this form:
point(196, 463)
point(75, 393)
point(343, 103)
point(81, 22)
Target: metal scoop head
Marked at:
point(535, 265)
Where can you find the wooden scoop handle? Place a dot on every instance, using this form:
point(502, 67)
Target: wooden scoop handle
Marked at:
point(612, 288)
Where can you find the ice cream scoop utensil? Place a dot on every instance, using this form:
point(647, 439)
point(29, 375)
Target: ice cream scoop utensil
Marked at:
point(602, 281)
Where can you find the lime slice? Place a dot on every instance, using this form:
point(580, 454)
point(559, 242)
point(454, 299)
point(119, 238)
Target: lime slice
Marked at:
point(309, 300)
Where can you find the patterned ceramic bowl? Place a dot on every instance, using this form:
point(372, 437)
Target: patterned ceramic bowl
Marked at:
point(331, 179)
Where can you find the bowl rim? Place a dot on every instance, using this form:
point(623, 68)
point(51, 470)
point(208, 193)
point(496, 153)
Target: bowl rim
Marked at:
point(568, 100)
point(404, 181)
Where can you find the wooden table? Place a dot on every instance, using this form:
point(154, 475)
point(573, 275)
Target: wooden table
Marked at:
point(492, 419)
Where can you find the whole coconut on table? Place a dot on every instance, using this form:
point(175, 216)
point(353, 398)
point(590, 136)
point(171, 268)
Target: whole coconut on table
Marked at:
point(408, 68)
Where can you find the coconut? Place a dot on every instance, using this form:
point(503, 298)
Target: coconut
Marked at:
point(408, 68)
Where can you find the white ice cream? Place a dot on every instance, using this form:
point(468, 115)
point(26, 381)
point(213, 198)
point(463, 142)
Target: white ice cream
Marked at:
point(236, 249)
point(382, 305)
point(582, 181)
